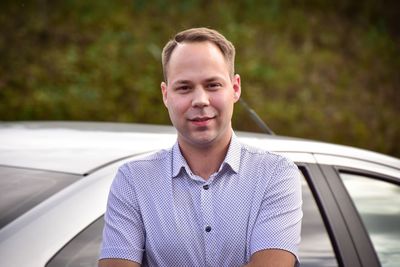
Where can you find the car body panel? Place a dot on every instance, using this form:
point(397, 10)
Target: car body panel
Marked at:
point(366, 164)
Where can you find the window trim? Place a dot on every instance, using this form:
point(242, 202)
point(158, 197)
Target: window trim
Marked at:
point(345, 251)
point(370, 174)
point(355, 227)
point(66, 248)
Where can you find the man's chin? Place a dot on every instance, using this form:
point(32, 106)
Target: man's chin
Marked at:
point(201, 139)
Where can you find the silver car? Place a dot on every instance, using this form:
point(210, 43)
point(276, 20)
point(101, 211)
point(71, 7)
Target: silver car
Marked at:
point(55, 178)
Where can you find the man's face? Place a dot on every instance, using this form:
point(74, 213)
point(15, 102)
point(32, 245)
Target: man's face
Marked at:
point(200, 94)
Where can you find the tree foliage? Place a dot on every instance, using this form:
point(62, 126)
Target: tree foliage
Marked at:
point(313, 69)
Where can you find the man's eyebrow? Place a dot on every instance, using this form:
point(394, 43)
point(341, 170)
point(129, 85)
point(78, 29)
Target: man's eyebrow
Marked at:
point(181, 82)
point(212, 79)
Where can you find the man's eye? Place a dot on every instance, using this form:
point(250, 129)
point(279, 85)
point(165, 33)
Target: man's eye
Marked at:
point(183, 88)
point(214, 85)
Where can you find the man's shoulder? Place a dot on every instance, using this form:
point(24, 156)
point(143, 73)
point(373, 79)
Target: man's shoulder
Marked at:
point(261, 154)
point(263, 159)
point(270, 167)
point(152, 159)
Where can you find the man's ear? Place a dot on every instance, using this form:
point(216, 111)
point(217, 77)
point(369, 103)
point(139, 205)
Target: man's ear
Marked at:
point(237, 90)
point(164, 93)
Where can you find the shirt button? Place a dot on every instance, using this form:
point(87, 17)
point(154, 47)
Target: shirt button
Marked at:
point(205, 187)
point(208, 228)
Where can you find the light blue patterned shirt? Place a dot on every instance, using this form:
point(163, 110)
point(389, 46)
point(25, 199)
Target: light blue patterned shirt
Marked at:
point(160, 214)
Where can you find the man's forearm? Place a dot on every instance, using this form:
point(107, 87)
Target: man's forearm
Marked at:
point(117, 263)
point(272, 258)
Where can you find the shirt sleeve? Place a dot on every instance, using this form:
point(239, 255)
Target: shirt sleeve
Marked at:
point(123, 234)
point(278, 224)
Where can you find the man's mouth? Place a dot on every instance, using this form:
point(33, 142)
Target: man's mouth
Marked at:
point(201, 121)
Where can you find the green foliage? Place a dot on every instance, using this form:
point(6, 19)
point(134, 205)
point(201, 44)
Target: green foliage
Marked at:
point(315, 69)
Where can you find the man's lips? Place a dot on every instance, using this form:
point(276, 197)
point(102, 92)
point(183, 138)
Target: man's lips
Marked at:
point(201, 118)
point(201, 121)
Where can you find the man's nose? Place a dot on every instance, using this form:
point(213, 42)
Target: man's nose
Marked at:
point(200, 97)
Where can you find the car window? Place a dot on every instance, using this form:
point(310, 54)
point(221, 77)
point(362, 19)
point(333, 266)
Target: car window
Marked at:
point(22, 189)
point(83, 250)
point(378, 203)
point(315, 248)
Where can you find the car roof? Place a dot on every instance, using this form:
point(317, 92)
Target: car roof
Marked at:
point(82, 147)
point(76, 147)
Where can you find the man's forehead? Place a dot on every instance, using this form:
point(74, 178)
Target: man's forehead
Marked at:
point(199, 52)
point(190, 60)
point(193, 47)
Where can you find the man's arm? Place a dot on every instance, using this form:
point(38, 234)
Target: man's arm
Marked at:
point(117, 263)
point(123, 234)
point(276, 236)
point(272, 258)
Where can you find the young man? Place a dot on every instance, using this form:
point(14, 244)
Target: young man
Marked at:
point(209, 200)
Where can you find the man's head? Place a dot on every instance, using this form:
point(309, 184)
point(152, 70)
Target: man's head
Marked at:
point(201, 89)
point(199, 35)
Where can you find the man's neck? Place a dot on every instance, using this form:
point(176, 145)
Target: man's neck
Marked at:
point(204, 161)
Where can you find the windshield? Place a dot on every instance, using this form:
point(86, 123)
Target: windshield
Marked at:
point(22, 189)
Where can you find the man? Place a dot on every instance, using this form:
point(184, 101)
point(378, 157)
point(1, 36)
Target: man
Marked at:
point(209, 200)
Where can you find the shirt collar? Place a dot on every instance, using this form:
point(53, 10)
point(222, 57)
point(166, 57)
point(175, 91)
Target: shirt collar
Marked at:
point(178, 161)
point(233, 155)
point(232, 158)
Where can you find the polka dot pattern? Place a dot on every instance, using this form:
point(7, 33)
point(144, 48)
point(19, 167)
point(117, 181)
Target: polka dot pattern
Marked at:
point(160, 214)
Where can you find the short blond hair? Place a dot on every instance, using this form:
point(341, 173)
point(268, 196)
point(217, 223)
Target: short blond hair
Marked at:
point(200, 35)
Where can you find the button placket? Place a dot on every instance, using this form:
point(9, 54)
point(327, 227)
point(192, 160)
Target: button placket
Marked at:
point(206, 203)
point(207, 209)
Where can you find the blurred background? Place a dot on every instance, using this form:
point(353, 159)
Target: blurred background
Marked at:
point(325, 70)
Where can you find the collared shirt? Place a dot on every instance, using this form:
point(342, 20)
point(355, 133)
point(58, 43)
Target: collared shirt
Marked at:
point(161, 214)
